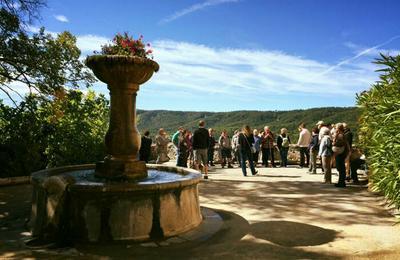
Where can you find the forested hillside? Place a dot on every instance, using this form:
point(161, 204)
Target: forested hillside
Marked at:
point(171, 120)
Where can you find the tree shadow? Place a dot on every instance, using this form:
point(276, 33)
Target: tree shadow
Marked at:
point(290, 234)
point(310, 202)
point(279, 176)
point(234, 240)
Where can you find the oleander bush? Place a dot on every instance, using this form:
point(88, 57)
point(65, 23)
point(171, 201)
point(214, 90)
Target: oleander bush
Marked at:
point(380, 129)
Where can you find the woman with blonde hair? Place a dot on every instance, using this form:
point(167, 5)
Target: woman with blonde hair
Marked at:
point(341, 148)
point(162, 142)
point(246, 141)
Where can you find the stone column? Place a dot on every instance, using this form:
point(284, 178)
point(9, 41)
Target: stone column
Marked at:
point(122, 139)
point(123, 75)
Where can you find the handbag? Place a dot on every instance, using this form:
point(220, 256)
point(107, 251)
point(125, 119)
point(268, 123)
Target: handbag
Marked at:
point(252, 148)
point(338, 149)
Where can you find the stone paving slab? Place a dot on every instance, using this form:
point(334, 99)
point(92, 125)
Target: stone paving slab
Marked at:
point(282, 213)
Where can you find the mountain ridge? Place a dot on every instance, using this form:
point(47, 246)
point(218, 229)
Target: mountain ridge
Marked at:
point(170, 120)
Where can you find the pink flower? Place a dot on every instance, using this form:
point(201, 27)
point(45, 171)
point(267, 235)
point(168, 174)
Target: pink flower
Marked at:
point(123, 44)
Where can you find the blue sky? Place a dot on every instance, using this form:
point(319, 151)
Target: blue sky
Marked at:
point(224, 55)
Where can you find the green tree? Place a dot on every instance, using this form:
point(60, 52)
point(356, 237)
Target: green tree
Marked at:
point(40, 133)
point(79, 123)
point(51, 126)
point(25, 10)
point(40, 62)
point(22, 138)
point(379, 128)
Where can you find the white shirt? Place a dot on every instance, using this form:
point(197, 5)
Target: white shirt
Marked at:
point(304, 138)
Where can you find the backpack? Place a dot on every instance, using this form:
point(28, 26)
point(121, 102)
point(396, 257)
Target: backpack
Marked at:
point(285, 141)
point(329, 145)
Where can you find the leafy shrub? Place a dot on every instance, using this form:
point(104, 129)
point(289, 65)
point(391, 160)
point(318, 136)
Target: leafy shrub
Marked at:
point(22, 138)
point(80, 123)
point(40, 133)
point(379, 129)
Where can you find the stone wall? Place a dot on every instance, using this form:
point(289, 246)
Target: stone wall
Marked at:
point(293, 155)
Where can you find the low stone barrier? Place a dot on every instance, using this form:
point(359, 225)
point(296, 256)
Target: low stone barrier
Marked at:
point(15, 180)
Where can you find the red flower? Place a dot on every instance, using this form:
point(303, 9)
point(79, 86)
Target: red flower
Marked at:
point(123, 44)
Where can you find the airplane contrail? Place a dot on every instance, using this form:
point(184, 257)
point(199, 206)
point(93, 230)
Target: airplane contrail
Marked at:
point(358, 55)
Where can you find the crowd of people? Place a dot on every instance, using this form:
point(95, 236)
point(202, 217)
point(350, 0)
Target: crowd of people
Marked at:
point(330, 143)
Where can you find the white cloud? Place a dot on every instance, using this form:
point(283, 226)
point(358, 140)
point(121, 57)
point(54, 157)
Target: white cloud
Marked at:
point(86, 43)
point(61, 18)
point(89, 43)
point(31, 28)
point(236, 75)
point(35, 29)
point(194, 8)
point(239, 72)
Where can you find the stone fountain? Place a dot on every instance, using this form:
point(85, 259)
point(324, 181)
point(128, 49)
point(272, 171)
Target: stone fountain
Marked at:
point(120, 198)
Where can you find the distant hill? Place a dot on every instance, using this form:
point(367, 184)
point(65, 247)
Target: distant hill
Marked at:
point(171, 120)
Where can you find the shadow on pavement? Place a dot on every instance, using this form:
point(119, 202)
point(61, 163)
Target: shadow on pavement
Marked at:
point(234, 241)
point(307, 201)
point(290, 234)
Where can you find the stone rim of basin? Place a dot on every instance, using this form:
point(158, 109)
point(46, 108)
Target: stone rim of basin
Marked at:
point(189, 177)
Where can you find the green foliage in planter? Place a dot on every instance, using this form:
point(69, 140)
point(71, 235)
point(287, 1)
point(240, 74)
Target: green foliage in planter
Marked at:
point(40, 133)
point(379, 128)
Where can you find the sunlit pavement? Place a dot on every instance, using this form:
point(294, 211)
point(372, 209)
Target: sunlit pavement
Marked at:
point(279, 213)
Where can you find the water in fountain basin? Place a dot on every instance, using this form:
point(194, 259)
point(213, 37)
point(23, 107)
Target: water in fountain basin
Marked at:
point(86, 177)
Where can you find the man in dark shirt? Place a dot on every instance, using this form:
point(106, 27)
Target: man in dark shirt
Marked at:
point(201, 142)
point(145, 147)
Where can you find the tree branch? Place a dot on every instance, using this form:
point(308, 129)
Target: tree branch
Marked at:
point(9, 96)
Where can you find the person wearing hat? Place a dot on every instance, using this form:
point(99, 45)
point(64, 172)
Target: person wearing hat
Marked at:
point(162, 146)
point(325, 153)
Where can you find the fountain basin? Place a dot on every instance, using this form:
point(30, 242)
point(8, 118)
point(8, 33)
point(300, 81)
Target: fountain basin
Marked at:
point(71, 204)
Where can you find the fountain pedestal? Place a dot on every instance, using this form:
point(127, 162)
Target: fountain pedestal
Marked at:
point(123, 75)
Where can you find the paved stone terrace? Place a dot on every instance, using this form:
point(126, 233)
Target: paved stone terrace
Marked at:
point(282, 213)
